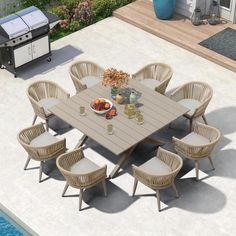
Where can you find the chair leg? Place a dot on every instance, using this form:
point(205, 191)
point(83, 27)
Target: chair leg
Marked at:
point(80, 198)
point(213, 167)
point(135, 186)
point(35, 117)
point(197, 170)
point(27, 162)
point(190, 125)
point(40, 171)
point(47, 126)
point(175, 190)
point(158, 199)
point(204, 119)
point(65, 189)
point(104, 185)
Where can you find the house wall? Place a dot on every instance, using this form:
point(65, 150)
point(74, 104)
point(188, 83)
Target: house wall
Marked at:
point(186, 7)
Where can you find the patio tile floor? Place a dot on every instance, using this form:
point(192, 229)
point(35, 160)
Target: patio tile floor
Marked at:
point(207, 206)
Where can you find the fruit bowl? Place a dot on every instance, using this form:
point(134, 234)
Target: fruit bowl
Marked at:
point(101, 105)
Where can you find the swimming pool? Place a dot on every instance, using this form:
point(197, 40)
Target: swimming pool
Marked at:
point(11, 225)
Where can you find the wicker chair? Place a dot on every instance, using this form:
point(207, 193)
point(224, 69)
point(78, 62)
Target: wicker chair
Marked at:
point(158, 173)
point(155, 76)
point(195, 96)
point(40, 145)
point(43, 95)
point(80, 172)
point(198, 144)
point(85, 74)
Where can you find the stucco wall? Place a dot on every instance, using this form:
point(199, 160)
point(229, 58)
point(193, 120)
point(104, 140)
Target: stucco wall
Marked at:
point(186, 7)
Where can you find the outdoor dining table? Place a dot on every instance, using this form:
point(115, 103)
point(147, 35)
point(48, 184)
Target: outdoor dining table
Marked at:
point(158, 111)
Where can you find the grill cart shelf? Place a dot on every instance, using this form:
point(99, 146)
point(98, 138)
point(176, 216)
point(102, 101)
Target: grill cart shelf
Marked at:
point(24, 38)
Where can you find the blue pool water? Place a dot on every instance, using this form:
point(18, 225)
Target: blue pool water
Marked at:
point(8, 227)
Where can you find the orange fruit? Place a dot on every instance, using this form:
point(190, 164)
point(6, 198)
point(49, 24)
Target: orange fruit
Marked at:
point(97, 101)
point(107, 105)
point(102, 100)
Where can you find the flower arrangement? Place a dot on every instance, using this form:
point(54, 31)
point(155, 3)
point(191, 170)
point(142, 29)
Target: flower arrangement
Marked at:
point(115, 78)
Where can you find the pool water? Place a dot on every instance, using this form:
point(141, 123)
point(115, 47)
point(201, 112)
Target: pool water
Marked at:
point(8, 227)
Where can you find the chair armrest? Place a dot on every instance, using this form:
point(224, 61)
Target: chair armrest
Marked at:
point(207, 131)
point(199, 111)
point(26, 135)
point(88, 179)
point(38, 109)
point(153, 181)
point(62, 93)
point(46, 152)
point(191, 151)
point(178, 94)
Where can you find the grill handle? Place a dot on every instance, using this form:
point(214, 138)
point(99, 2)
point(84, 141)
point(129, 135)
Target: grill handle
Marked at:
point(29, 51)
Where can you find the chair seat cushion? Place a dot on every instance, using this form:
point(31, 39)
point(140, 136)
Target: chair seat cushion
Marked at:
point(191, 104)
point(155, 167)
point(150, 83)
point(84, 166)
point(195, 139)
point(47, 103)
point(90, 80)
point(44, 139)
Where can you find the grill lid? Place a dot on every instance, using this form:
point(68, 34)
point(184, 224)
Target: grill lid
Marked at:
point(33, 17)
point(14, 26)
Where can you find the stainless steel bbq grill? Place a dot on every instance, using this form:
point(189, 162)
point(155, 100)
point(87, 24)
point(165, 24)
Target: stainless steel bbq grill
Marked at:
point(24, 38)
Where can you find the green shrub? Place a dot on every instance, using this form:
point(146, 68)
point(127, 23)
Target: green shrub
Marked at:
point(61, 11)
point(70, 4)
point(103, 8)
point(41, 4)
point(83, 13)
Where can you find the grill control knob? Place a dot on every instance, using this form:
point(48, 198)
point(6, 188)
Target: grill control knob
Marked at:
point(20, 38)
point(27, 36)
point(14, 41)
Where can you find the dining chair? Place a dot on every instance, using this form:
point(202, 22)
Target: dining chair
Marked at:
point(43, 95)
point(155, 76)
point(40, 145)
point(198, 144)
point(158, 173)
point(80, 172)
point(85, 74)
point(195, 96)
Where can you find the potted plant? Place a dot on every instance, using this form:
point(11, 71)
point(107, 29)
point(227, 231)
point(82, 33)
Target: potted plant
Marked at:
point(115, 79)
point(164, 9)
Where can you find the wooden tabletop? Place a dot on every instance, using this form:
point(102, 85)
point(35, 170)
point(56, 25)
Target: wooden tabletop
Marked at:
point(157, 110)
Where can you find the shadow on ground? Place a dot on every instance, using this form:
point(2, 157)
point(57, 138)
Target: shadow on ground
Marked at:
point(197, 197)
point(59, 57)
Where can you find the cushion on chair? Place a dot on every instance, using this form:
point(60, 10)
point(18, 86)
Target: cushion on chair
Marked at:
point(150, 83)
point(90, 80)
point(155, 167)
point(191, 104)
point(47, 103)
point(44, 139)
point(195, 139)
point(83, 166)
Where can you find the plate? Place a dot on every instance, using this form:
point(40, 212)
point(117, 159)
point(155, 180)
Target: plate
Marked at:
point(101, 105)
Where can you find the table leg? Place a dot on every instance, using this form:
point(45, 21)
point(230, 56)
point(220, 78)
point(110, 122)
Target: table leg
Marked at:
point(154, 141)
point(125, 156)
point(81, 141)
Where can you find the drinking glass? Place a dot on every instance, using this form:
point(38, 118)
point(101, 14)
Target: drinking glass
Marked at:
point(82, 110)
point(110, 129)
point(140, 119)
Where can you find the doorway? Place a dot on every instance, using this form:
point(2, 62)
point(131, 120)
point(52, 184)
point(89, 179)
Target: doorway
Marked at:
point(228, 10)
